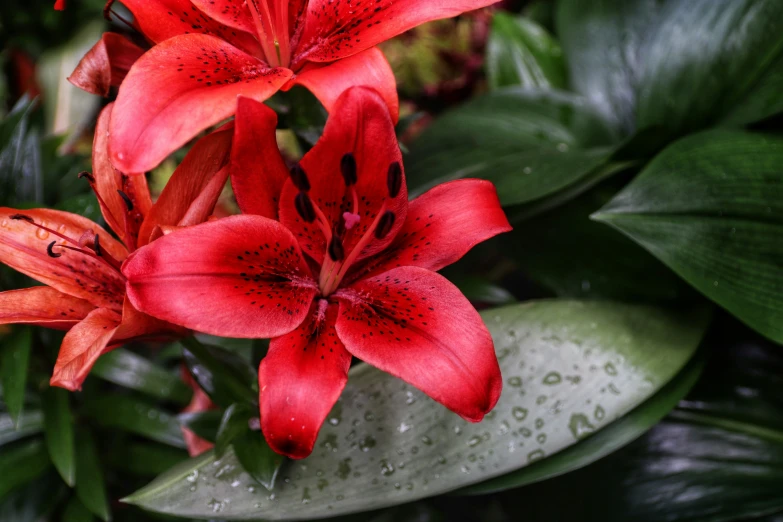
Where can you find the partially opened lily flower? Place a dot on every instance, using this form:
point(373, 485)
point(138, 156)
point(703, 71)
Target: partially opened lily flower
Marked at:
point(331, 261)
point(208, 52)
point(79, 262)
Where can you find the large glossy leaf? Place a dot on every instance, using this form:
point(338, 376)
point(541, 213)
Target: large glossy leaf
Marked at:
point(711, 207)
point(521, 52)
point(14, 359)
point(530, 144)
point(28, 423)
point(717, 457)
point(132, 415)
point(59, 429)
point(133, 371)
point(224, 376)
point(570, 369)
point(33, 501)
point(679, 64)
point(90, 486)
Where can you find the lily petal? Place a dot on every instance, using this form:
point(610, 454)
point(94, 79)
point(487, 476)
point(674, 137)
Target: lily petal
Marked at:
point(335, 30)
point(359, 124)
point(194, 187)
point(23, 247)
point(241, 276)
point(124, 219)
point(200, 402)
point(82, 346)
point(416, 325)
point(368, 68)
point(106, 64)
point(137, 325)
point(160, 20)
point(300, 379)
point(176, 90)
point(231, 13)
point(258, 170)
point(42, 306)
point(443, 224)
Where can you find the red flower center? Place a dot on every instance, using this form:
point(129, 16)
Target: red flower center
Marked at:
point(337, 262)
point(271, 21)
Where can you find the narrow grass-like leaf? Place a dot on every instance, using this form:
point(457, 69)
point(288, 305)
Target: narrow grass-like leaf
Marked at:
point(132, 415)
point(205, 424)
point(76, 512)
point(27, 424)
point(224, 376)
point(90, 486)
point(570, 369)
point(21, 463)
point(59, 429)
point(14, 359)
point(233, 424)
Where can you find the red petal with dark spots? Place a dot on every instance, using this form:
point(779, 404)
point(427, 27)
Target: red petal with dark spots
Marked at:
point(368, 68)
point(416, 325)
point(42, 306)
point(82, 346)
point(160, 20)
point(106, 64)
point(300, 379)
point(23, 247)
point(359, 124)
point(176, 90)
point(231, 13)
point(443, 224)
point(338, 29)
point(258, 170)
point(241, 276)
point(125, 221)
point(193, 189)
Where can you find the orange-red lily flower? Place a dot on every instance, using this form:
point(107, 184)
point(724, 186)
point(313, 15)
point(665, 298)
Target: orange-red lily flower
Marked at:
point(79, 262)
point(208, 52)
point(331, 261)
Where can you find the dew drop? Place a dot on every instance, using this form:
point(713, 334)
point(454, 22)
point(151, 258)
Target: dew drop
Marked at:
point(541, 438)
point(535, 455)
point(539, 423)
point(387, 468)
point(41, 233)
point(519, 413)
point(599, 413)
point(553, 378)
point(580, 426)
point(610, 369)
point(474, 441)
point(516, 382)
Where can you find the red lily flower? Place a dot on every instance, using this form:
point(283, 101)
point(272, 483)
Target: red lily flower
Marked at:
point(80, 262)
point(199, 403)
point(366, 286)
point(208, 52)
point(59, 5)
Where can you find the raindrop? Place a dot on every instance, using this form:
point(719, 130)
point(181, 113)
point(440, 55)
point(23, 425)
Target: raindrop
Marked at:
point(387, 468)
point(402, 428)
point(610, 369)
point(474, 441)
point(535, 455)
point(426, 441)
point(411, 398)
point(516, 382)
point(541, 438)
point(367, 443)
point(527, 170)
point(306, 496)
point(580, 426)
point(599, 413)
point(41, 233)
point(368, 416)
point(344, 468)
point(503, 428)
point(539, 423)
point(519, 413)
point(553, 378)
point(192, 476)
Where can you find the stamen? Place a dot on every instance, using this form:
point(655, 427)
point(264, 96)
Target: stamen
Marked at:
point(336, 249)
point(304, 207)
point(97, 245)
point(385, 225)
point(349, 169)
point(51, 252)
point(299, 178)
point(126, 199)
point(265, 29)
point(87, 175)
point(351, 219)
point(22, 216)
point(394, 179)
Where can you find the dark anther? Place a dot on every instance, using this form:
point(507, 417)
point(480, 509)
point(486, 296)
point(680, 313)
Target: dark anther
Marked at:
point(22, 216)
point(339, 229)
point(87, 175)
point(385, 225)
point(349, 169)
point(304, 207)
point(336, 249)
point(394, 179)
point(299, 177)
point(126, 199)
point(50, 251)
point(97, 245)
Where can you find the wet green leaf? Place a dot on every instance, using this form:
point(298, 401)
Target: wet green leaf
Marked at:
point(27, 424)
point(21, 463)
point(133, 371)
point(257, 458)
point(571, 368)
point(90, 486)
point(224, 376)
point(59, 430)
point(14, 360)
point(233, 424)
point(133, 415)
point(205, 424)
point(710, 207)
point(521, 52)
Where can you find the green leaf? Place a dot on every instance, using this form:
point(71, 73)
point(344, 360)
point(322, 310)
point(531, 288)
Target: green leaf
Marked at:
point(21, 463)
point(20, 158)
point(127, 369)
point(710, 207)
point(35, 500)
point(76, 512)
point(717, 457)
point(529, 144)
point(224, 376)
point(521, 52)
point(59, 431)
point(480, 290)
point(572, 256)
point(14, 359)
point(145, 459)
point(679, 64)
point(257, 458)
point(90, 486)
point(233, 424)
point(607, 441)
point(570, 368)
point(205, 424)
point(27, 424)
point(132, 415)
